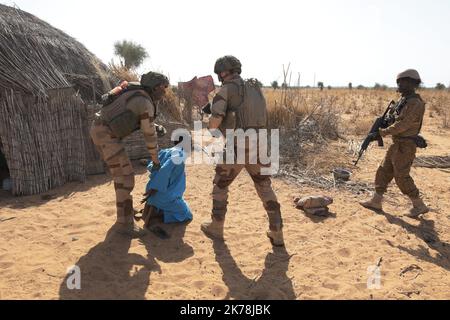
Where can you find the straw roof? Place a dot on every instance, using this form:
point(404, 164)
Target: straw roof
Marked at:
point(35, 57)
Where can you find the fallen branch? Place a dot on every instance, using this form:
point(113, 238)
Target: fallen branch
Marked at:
point(7, 219)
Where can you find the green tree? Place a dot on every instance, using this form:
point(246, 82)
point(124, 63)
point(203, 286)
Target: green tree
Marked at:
point(440, 86)
point(133, 54)
point(320, 85)
point(378, 86)
point(350, 86)
point(275, 85)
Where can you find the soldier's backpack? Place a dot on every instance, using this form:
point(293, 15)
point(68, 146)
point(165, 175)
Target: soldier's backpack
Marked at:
point(252, 113)
point(122, 88)
point(114, 113)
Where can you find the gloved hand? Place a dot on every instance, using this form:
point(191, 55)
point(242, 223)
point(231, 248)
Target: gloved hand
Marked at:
point(148, 195)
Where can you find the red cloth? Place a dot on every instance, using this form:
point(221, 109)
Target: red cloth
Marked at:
point(198, 90)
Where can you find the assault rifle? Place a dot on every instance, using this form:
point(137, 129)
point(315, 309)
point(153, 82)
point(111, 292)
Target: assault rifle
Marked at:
point(381, 123)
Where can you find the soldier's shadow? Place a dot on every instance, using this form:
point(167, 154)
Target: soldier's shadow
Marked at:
point(110, 272)
point(170, 250)
point(273, 284)
point(425, 231)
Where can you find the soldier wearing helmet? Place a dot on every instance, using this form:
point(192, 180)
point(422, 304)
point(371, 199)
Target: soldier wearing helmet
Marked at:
point(228, 101)
point(133, 109)
point(407, 124)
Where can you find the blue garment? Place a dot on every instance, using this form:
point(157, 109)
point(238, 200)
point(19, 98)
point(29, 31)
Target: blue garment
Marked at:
point(170, 182)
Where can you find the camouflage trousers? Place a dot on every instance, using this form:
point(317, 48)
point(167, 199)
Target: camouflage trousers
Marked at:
point(397, 165)
point(227, 173)
point(113, 153)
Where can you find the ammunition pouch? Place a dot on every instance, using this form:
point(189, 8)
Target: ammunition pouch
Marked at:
point(420, 142)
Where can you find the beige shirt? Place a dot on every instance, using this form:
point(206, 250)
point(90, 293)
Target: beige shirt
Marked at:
point(409, 121)
point(229, 96)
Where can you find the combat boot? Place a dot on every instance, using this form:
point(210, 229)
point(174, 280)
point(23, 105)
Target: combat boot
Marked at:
point(419, 208)
point(276, 237)
point(214, 228)
point(376, 203)
point(129, 230)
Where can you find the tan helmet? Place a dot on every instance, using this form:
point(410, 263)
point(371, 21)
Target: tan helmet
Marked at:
point(153, 79)
point(410, 73)
point(228, 63)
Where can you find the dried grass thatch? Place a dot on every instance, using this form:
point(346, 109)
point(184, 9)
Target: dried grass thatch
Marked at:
point(42, 156)
point(35, 57)
point(43, 121)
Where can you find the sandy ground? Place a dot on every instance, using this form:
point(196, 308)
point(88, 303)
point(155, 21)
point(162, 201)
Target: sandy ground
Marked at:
point(325, 258)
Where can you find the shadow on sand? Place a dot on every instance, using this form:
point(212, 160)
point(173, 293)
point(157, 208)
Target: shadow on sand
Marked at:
point(109, 271)
point(273, 284)
point(426, 232)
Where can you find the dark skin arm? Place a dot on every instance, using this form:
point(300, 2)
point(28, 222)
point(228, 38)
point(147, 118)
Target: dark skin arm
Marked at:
point(148, 195)
point(214, 122)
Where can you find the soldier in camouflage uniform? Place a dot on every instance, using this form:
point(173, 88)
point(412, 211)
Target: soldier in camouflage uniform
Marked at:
point(130, 111)
point(400, 156)
point(230, 97)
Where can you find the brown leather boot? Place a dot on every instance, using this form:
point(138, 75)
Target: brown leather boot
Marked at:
point(376, 203)
point(276, 237)
point(129, 230)
point(214, 229)
point(419, 208)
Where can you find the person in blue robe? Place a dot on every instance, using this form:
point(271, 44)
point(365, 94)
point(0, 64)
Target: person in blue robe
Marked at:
point(166, 188)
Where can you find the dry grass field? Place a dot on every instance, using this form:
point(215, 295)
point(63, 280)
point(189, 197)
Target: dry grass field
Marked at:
point(336, 121)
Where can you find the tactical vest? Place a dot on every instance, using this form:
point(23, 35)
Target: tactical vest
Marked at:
point(252, 112)
point(417, 138)
point(121, 120)
point(397, 110)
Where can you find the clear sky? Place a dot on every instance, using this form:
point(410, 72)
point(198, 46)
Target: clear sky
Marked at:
point(362, 42)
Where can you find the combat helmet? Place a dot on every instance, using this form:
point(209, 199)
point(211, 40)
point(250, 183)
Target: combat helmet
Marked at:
point(410, 73)
point(153, 79)
point(228, 63)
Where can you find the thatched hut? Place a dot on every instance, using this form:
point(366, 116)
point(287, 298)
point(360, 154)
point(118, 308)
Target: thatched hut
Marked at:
point(45, 77)
point(49, 85)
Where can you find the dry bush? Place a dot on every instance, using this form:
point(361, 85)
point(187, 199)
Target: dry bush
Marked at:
point(360, 126)
point(305, 112)
point(446, 119)
point(356, 109)
point(438, 103)
point(307, 120)
point(170, 103)
point(310, 119)
point(122, 72)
